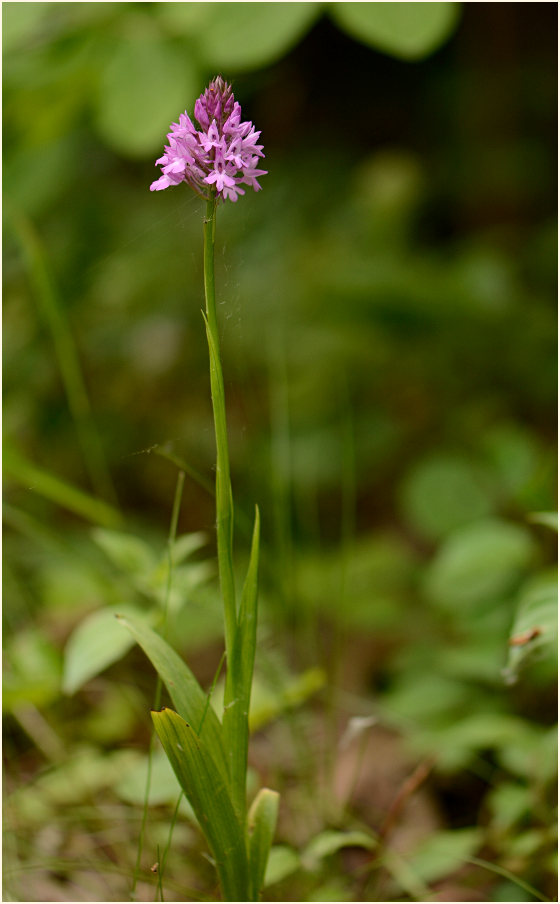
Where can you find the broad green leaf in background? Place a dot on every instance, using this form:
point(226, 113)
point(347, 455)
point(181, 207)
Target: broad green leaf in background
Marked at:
point(32, 671)
point(97, 643)
point(535, 628)
point(262, 826)
point(244, 36)
point(508, 803)
point(515, 456)
point(188, 697)
point(145, 84)
point(129, 553)
point(534, 753)
point(444, 852)
point(186, 544)
point(334, 889)
point(407, 30)
point(208, 793)
point(283, 861)
point(444, 491)
point(478, 564)
point(79, 777)
point(164, 788)
point(148, 572)
point(329, 842)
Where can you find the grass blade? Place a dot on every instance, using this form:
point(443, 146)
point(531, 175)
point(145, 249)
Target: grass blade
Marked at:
point(56, 490)
point(52, 309)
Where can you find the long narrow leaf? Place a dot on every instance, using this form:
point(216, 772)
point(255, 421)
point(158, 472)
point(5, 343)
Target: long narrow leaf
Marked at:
point(240, 676)
point(188, 697)
point(262, 825)
point(210, 799)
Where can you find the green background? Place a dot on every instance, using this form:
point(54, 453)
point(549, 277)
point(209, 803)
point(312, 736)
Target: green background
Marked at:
point(387, 306)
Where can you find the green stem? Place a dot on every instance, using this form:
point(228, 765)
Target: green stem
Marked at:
point(224, 506)
point(224, 500)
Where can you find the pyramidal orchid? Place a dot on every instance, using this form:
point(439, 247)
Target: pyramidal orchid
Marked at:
point(222, 155)
point(209, 756)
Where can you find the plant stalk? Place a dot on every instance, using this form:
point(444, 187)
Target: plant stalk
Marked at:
point(224, 499)
point(235, 721)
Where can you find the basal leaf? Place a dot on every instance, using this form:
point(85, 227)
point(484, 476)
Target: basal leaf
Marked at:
point(209, 796)
point(262, 826)
point(188, 697)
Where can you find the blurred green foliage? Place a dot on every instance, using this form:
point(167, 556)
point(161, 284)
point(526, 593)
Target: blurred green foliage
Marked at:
point(387, 306)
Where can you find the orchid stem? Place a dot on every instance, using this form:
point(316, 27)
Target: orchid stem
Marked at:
point(224, 499)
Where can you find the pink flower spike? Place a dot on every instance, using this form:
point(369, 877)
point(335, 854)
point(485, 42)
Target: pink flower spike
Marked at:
point(216, 158)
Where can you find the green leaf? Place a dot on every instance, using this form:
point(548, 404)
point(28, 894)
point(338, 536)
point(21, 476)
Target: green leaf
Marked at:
point(164, 787)
point(32, 670)
point(96, 643)
point(243, 36)
point(407, 30)
point(283, 861)
point(188, 697)
point(208, 794)
point(144, 84)
point(508, 803)
point(515, 457)
point(479, 564)
point(535, 628)
point(267, 702)
point(187, 544)
point(443, 492)
point(548, 519)
point(329, 842)
point(128, 552)
point(444, 852)
point(262, 826)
